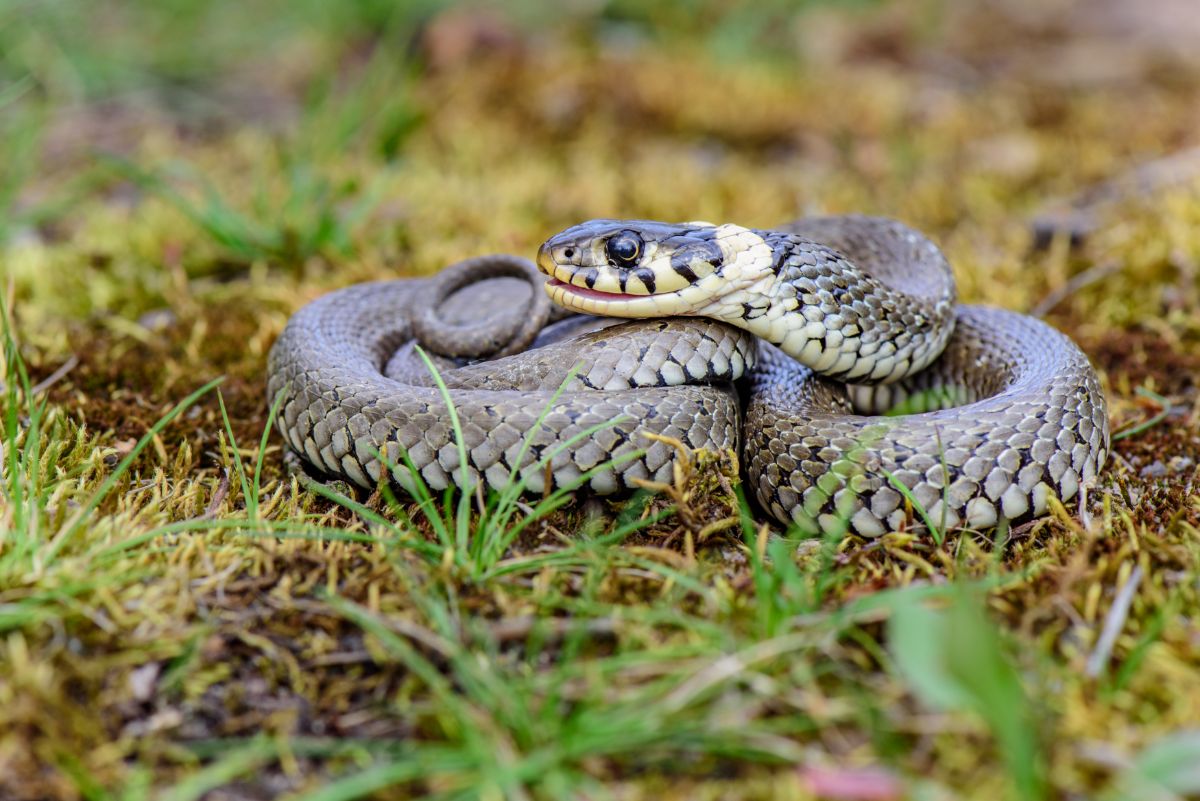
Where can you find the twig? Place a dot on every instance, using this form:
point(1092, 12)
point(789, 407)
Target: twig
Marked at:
point(1085, 517)
point(1076, 283)
point(341, 658)
point(1077, 216)
point(218, 496)
point(727, 666)
point(1113, 623)
point(70, 364)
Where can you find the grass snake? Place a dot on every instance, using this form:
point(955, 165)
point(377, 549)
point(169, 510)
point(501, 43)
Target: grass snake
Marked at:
point(787, 344)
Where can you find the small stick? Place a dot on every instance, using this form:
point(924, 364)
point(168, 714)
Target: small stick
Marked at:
point(218, 496)
point(1113, 623)
point(1076, 283)
point(1077, 216)
point(52, 379)
point(1085, 517)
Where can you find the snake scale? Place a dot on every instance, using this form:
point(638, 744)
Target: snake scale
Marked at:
point(788, 344)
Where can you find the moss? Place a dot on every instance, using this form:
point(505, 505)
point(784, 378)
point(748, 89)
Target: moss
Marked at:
point(173, 640)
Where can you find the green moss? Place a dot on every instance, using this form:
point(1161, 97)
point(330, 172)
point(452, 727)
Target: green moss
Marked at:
point(178, 189)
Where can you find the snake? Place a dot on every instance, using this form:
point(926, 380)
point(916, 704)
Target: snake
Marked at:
point(830, 353)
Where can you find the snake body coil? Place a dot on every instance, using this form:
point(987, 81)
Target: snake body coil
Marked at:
point(1001, 411)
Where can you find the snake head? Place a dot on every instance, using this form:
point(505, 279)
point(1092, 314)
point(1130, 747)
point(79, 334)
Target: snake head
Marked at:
point(641, 268)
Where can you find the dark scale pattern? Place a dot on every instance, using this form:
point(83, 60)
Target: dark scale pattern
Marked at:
point(340, 410)
point(1037, 426)
point(1029, 418)
point(880, 294)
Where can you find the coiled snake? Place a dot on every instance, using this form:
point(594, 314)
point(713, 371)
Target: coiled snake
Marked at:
point(815, 329)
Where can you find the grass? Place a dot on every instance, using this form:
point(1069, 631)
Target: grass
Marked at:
point(181, 618)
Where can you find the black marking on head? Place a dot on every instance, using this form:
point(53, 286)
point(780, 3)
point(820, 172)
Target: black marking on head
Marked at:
point(682, 258)
point(623, 278)
point(590, 277)
point(646, 277)
point(684, 270)
point(715, 256)
point(681, 262)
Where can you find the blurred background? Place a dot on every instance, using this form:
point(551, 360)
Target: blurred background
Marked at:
point(301, 134)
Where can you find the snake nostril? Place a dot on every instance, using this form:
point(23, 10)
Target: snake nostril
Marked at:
point(569, 253)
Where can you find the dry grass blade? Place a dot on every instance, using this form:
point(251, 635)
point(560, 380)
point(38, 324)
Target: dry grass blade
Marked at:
point(1114, 621)
point(180, 617)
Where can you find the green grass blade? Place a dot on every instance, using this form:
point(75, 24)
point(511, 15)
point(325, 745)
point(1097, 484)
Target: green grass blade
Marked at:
point(253, 755)
point(462, 520)
point(250, 501)
point(272, 414)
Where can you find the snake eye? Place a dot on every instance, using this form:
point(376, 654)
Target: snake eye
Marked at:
point(624, 248)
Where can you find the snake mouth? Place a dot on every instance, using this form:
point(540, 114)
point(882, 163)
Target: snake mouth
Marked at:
point(613, 304)
point(594, 294)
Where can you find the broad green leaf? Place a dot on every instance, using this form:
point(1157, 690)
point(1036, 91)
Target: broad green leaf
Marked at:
point(1166, 768)
point(956, 660)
